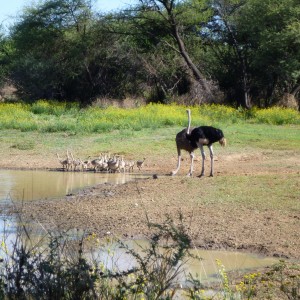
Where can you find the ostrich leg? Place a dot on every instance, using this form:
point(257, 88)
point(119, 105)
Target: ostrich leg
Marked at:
point(192, 156)
point(178, 162)
point(210, 147)
point(203, 159)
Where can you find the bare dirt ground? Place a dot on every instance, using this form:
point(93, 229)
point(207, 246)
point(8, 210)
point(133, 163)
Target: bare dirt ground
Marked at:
point(121, 210)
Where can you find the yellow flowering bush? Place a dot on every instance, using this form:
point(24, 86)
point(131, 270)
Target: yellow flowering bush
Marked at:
point(52, 116)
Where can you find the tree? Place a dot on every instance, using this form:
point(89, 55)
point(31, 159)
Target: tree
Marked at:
point(230, 49)
point(171, 23)
point(272, 30)
point(5, 55)
point(254, 48)
point(50, 47)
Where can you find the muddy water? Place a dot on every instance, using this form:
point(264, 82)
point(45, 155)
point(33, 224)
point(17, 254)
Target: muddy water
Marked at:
point(33, 185)
point(205, 267)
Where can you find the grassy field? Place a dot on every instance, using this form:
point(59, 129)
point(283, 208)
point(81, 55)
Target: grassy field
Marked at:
point(52, 117)
point(246, 135)
point(45, 128)
point(252, 201)
point(46, 116)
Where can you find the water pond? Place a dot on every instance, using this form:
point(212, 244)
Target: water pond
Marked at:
point(204, 267)
point(30, 185)
point(19, 185)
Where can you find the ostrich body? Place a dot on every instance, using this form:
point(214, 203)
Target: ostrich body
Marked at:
point(97, 162)
point(206, 135)
point(190, 140)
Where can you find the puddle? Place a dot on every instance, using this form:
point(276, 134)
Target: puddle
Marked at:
point(205, 269)
point(117, 259)
point(33, 185)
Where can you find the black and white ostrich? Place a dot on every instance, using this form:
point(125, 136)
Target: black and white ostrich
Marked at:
point(190, 139)
point(183, 143)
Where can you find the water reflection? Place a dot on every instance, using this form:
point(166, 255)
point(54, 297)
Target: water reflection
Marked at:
point(34, 185)
point(206, 268)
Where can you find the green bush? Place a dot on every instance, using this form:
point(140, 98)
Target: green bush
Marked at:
point(53, 108)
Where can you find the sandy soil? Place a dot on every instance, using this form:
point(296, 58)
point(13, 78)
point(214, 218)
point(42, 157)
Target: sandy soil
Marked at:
point(121, 210)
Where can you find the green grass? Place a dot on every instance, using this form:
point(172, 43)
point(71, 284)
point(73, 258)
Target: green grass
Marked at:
point(259, 191)
point(263, 136)
point(26, 145)
point(277, 141)
point(244, 138)
point(158, 141)
point(50, 116)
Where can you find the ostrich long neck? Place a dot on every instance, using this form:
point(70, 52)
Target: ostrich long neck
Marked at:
point(189, 121)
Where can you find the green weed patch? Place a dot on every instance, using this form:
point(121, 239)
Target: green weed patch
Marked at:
point(51, 116)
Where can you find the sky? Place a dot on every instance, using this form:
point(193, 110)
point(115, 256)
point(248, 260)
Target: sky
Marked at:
point(10, 8)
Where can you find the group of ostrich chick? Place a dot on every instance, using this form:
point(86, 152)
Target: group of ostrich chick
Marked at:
point(189, 139)
point(104, 162)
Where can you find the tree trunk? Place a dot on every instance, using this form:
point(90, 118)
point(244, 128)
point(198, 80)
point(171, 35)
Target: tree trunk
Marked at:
point(242, 61)
point(294, 92)
point(247, 99)
point(196, 72)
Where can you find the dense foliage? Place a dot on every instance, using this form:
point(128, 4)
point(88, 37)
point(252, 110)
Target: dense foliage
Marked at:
point(242, 52)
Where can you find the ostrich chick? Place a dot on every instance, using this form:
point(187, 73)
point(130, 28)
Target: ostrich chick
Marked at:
point(63, 162)
point(140, 163)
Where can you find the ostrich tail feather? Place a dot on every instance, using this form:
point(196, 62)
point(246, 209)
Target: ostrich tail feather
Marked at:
point(223, 142)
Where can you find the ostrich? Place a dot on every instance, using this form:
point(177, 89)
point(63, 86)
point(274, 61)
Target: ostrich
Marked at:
point(129, 164)
point(86, 164)
point(122, 164)
point(140, 163)
point(206, 135)
point(76, 162)
point(197, 138)
point(64, 162)
point(183, 143)
point(97, 162)
point(113, 164)
point(70, 160)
